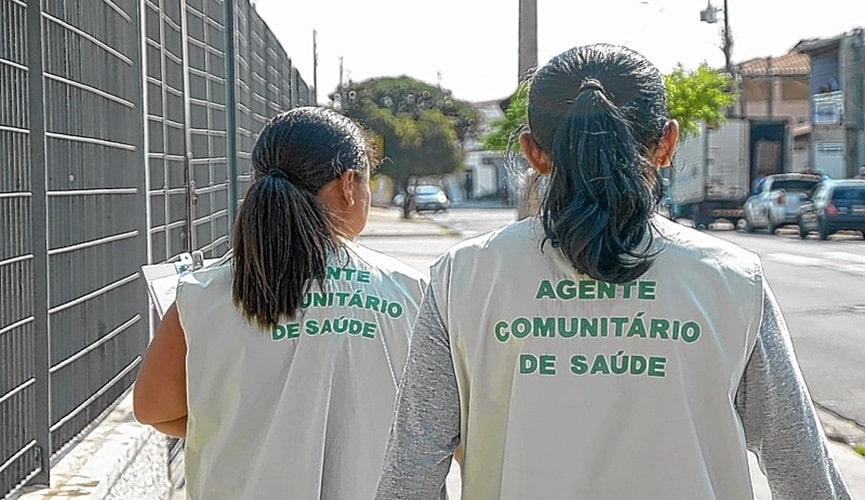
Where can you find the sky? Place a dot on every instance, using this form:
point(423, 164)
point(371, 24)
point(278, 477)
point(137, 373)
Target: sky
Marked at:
point(470, 46)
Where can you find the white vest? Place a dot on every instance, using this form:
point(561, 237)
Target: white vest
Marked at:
point(302, 411)
point(574, 389)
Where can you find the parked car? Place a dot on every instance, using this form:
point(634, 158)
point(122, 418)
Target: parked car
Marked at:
point(427, 197)
point(778, 201)
point(837, 205)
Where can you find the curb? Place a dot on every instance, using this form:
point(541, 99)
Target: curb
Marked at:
point(390, 223)
point(839, 428)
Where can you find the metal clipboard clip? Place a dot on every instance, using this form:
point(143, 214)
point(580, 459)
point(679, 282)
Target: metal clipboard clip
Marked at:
point(189, 262)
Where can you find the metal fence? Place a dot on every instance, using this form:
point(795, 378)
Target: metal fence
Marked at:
point(120, 144)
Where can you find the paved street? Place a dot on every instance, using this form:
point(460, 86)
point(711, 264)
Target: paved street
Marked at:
point(818, 285)
point(814, 281)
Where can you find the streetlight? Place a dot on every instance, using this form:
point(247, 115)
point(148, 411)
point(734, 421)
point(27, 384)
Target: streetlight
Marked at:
point(710, 15)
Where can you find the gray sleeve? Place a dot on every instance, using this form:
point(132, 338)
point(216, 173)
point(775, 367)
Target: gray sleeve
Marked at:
point(426, 428)
point(778, 416)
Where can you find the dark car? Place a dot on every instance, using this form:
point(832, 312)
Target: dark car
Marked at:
point(836, 205)
point(427, 197)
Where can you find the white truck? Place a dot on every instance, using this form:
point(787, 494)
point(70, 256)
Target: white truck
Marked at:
point(712, 171)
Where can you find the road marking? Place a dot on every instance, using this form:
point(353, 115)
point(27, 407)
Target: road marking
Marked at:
point(846, 257)
point(796, 260)
point(840, 261)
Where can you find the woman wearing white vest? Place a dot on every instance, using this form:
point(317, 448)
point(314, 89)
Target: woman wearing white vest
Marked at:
point(599, 351)
point(280, 367)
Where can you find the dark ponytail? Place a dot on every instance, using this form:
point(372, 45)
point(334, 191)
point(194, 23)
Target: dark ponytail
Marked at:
point(281, 242)
point(283, 234)
point(603, 189)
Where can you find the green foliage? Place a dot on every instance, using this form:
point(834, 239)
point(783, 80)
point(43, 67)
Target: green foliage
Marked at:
point(860, 449)
point(421, 126)
point(702, 94)
point(504, 131)
point(697, 95)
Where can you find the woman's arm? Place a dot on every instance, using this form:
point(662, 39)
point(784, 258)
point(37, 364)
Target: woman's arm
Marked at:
point(173, 428)
point(159, 394)
point(780, 423)
point(426, 430)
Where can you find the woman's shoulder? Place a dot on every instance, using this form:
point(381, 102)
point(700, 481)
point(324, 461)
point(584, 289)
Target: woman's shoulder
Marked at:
point(685, 244)
point(214, 276)
point(380, 262)
point(501, 248)
point(512, 236)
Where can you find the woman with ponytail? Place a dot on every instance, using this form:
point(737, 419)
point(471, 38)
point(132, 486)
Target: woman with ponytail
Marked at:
point(280, 367)
point(598, 350)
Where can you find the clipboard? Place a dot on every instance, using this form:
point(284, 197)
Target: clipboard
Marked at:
point(162, 279)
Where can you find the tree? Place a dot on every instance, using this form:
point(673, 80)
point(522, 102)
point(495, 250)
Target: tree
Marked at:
point(702, 94)
point(421, 126)
point(504, 131)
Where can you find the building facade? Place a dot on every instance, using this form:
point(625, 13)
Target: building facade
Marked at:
point(836, 102)
point(777, 87)
point(484, 171)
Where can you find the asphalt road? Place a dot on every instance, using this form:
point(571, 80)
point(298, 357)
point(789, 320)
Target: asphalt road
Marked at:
point(819, 285)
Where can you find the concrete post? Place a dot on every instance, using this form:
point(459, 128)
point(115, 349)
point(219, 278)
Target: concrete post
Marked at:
point(528, 38)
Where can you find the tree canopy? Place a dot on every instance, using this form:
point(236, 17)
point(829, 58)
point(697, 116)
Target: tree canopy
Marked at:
point(701, 94)
point(504, 130)
point(419, 126)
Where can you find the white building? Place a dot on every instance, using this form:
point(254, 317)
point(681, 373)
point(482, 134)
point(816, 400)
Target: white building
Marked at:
point(485, 172)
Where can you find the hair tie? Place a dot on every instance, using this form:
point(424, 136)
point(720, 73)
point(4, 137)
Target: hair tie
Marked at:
point(591, 84)
point(278, 173)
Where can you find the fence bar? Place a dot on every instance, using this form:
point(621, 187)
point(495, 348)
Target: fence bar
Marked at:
point(231, 112)
point(18, 455)
point(105, 338)
point(93, 243)
point(95, 293)
point(88, 88)
point(15, 325)
point(14, 392)
point(102, 390)
point(39, 237)
point(87, 36)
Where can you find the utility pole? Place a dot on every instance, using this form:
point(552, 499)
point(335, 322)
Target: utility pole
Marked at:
point(710, 15)
point(314, 68)
point(728, 42)
point(527, 63)
point(337, 96)
point(528, 39)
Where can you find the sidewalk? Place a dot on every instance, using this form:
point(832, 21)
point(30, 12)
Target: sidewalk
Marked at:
point(389, 222)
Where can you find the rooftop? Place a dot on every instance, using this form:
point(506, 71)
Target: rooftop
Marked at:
point(793, 63)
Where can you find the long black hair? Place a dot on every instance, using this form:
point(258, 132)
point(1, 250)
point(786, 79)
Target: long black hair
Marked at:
point(596, 111)
point(283, 234)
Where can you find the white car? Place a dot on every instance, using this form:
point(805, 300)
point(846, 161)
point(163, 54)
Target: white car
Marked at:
point(428, 197)
point(778, 201)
